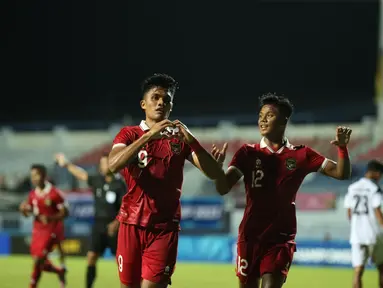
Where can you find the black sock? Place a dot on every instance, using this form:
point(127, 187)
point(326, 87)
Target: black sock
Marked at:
point(90, 276)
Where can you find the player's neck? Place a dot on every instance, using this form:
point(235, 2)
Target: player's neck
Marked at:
point(150, 122)
point(275, 142)
point(41, 186)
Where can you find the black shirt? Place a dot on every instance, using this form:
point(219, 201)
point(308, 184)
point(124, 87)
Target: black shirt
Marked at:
point(107, 196)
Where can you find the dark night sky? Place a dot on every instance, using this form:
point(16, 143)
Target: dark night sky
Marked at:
point(86, 61)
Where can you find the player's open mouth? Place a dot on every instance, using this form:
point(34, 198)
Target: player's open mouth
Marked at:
point(263, 127)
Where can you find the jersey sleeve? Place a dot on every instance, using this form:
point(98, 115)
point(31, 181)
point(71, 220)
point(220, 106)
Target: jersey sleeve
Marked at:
point(376, 200)
point(60, 199)
point(238, 163)
point(124, 137)
point(316, 162)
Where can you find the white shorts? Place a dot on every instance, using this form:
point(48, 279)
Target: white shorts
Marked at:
point(360, 254)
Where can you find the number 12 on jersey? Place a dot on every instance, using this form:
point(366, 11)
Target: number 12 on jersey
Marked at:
point(257, 176)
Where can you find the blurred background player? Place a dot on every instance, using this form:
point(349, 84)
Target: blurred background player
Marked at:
point(108, 190)
point(363, 202)
point(273, 171)
point(152, 156)
point(47, 205)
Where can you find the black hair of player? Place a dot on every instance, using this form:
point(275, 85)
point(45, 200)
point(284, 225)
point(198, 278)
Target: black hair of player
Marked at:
point(41, 168)
point(375, 166)
point(159, 80)
point(285, 107)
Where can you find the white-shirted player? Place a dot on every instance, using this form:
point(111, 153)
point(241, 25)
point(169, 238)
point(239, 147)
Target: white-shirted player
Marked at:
point(363, 201)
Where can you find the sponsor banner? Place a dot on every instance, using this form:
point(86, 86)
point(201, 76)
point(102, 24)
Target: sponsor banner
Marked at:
point(223, 249)
point(197, 212)
point(4, 244)
point(206, 249)
point(71, 246)
point(202, 213)
point(81, 206)
point(315, 201)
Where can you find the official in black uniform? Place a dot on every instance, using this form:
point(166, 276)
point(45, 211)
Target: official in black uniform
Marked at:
point(108, 190)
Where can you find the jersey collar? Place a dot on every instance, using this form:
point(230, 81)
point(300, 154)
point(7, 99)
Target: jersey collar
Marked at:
point(286, 145)
point(144, 126)
point(47, 188)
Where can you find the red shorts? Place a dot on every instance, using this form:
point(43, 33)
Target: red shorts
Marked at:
point(254, 260)
point(42, 242)
point(59, 232)
point(144, 253)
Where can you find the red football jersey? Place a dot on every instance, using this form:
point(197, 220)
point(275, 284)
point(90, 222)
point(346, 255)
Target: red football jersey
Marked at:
point(45, 202)
point(272, 179)
point(153, 180)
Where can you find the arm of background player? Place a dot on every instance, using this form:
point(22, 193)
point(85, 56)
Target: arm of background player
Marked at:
point(376, 202)
point(77, 171)
point(348, 205)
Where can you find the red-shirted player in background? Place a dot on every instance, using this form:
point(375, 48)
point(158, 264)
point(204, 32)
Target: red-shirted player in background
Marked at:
point(152, 156)
point(47, 205)
point(273, 171)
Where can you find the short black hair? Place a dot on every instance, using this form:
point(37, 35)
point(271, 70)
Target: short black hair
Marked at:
point(375, 166)
point(159, 80)
point(284, 105)
point(41, 168)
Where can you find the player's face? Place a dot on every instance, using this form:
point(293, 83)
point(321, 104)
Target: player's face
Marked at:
point(104, 166)
point(270, 122)
point(36, 178)
point(157, 104)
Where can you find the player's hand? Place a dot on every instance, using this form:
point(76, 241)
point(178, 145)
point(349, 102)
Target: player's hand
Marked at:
point(159, 131)
point(25, 209)
point(113, 228)
point(184, 133)
point(61, 159)
point(219, 154)
point(43, 219)
point(342, 136)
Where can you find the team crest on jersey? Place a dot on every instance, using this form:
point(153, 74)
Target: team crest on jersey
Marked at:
point(291, 163)
point(48, 202)
point(258, 163)
point(175, 147)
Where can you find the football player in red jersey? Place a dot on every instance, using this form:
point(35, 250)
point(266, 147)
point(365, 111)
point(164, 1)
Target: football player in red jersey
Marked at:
point(47, 205)
point(151, 157)
point(273, 171)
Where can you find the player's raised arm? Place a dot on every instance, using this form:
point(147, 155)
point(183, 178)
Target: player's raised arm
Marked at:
point(75, 170)
point(202, 159)
point(342, 168)
point(124, 150)
point(225, 182)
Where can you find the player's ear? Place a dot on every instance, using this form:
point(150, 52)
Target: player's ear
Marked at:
point(143, 104)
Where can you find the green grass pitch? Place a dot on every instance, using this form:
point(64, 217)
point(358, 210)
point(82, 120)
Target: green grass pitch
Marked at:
point(15, 271)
